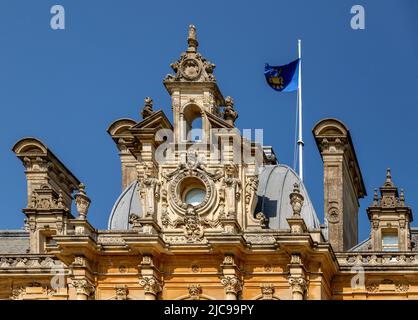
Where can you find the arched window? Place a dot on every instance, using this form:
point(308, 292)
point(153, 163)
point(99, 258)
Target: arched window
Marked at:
point(193, 123)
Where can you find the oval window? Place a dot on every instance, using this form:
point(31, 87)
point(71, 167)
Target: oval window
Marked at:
point(195, 196)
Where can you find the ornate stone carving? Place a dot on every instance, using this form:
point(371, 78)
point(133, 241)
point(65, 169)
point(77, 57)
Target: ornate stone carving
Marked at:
point(83, 287)
point(45, 198)
point(333, 212)
point(150, 190)
point(296, 200)
point(79, 261)
point(134, 220)
point(262, 219)
point(260, 239)
point(232, 284)
point(267, 291)
point(147, 110)
point(82, 202)
point(298, 286)
point(151, 285)
point(372, 287)
point(193, 168)
point(121, 292)
point(108, 240)
point(17, 293)
point(193, 229)
point(30, 262)
point(401, 287)
point(251, 185)
point(191, 66)
point(232, 189)
point(229, 260)
point(194, 291)
point(376, 286)
point(230, 115)
point(195, 268)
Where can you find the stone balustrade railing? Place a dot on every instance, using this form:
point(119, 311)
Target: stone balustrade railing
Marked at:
point(10, 261)
point(371, 259)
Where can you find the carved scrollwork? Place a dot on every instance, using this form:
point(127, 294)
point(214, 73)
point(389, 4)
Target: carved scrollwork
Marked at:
point(232, 284)
point(83, 287)
point(193, 229)
point(299, 286)
point(151, 285)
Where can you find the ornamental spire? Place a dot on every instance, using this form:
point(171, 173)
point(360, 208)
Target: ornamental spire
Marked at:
point(192, 39)
point(388, 181)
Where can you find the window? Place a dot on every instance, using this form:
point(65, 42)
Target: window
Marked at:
point(193, 130)
point(192, 191)
point(390, 241)
point(195, 196)
point(196, 132)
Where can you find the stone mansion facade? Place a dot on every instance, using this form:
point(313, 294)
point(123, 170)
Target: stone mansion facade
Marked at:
point(213, 217)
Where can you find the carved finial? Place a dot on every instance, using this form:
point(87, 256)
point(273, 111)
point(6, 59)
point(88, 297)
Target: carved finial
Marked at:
point(147, 110)
point(296, 200)
point(82, 202)
point(192, 39)
point(375, 197)
point(402, 198)
point(388, 175)
point(230, 115)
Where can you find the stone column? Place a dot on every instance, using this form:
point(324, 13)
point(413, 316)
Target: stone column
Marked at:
point(84, 289)
point(152, 287)
point(232, 287)
point(150, 278)
point(298, 287)
point(231, 278)
point(297, 278)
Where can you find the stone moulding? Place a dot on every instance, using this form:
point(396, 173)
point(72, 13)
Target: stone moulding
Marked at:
point(29, 261)
point(371, 259)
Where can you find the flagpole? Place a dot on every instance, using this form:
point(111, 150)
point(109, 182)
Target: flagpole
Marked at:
point(300, 141)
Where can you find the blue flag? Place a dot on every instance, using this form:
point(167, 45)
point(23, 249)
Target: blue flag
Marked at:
point(283, 78)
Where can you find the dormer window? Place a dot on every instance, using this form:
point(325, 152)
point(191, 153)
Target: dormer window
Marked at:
point(390, 241)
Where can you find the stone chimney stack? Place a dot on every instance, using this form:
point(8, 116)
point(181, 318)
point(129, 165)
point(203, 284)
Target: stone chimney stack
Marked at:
point(343, 183)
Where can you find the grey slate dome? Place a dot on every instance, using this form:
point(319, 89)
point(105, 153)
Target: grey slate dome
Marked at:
point(127, 203)
point(275, 185)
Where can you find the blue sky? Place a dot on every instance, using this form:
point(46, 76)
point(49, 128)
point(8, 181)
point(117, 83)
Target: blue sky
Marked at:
point(66, 86)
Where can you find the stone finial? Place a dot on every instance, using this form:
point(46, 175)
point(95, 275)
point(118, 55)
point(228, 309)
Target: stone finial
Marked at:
point(192, 39)
point(147, 110)
point(388, 181)
point(82, 202)
point(402, 198)
point(296, 200)
point(375, 198)
point(230, 115)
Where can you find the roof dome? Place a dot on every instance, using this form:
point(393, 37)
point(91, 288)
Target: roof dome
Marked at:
point(127, 203)
point(275, 185)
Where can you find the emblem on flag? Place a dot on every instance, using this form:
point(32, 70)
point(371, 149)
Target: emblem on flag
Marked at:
point(283, 78)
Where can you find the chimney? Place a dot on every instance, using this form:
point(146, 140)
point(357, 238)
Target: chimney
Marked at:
point(343, 183)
